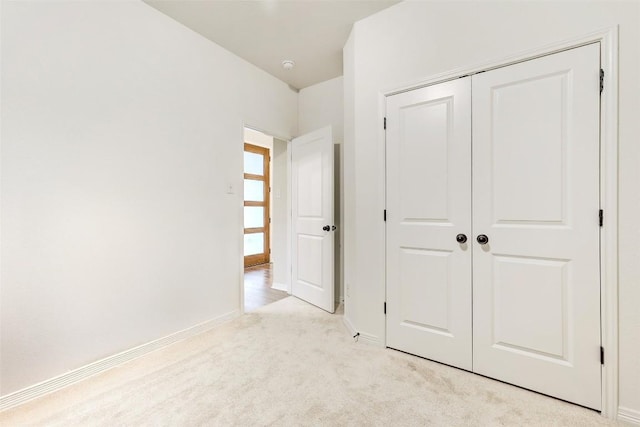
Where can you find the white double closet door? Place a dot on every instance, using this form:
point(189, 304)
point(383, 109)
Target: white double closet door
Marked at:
point(510, 156)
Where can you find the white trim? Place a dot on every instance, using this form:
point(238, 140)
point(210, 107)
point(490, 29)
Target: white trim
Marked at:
point(363, 336)
point(349, 325)
point(240, 207)
point(289, 218)
point(609, 232)
point(280, 287)
point(77, 375)
point(266, 132)
point(382, 184)
point(372, 339)
point(629, 415)
point(527, 55)
point(608, 39)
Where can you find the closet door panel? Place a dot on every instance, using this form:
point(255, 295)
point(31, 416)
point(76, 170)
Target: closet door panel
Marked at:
point(428, 205)
point(536, 287)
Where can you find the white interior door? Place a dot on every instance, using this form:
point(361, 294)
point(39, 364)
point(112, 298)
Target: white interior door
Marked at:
point(536, 289)
point(428, 206)
point(312, 219)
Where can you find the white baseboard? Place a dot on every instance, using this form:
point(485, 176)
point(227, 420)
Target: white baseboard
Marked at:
point(371, 339)
point(364, 337)
point(279, 286)
point(628, 415)
point(77, 375)
point(348, 325)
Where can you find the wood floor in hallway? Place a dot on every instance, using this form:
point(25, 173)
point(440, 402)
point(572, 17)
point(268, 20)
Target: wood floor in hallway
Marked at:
point(257, 287)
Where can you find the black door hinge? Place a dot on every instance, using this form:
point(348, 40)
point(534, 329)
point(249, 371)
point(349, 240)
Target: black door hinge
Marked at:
point(601, 217)
point(385, 215)
point(601, 355)
point(601, 80)
point(385, 307)
point(385, 122)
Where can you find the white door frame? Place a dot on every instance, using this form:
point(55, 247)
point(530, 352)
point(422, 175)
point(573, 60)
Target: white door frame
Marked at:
point(608, 39)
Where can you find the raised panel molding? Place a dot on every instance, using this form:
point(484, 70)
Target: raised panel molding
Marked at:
point(309, 251)
point(526, 192)
point(425, 159)
point(529, 285)
point(425, 307)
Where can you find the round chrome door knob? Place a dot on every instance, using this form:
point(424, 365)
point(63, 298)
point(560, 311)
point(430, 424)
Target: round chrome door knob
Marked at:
point(482, 239)
point(461, 238)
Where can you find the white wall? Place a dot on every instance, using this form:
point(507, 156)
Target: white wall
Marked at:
point(121, 130)
point(321, 105)
point(279, 215)
point(415, 40)
point(348, 180)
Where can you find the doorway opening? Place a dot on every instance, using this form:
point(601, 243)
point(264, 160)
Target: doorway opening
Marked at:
point(257, 216)
point(265, 221)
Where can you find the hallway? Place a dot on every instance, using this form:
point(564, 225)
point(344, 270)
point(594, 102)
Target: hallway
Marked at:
point(257, 287)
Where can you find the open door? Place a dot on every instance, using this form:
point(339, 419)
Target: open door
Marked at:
point(312, 219)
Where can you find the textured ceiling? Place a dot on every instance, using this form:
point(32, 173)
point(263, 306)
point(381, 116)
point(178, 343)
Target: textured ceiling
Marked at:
point(310, 32)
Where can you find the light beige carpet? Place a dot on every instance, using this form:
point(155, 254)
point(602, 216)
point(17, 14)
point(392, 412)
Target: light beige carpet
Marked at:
point(291, 364)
